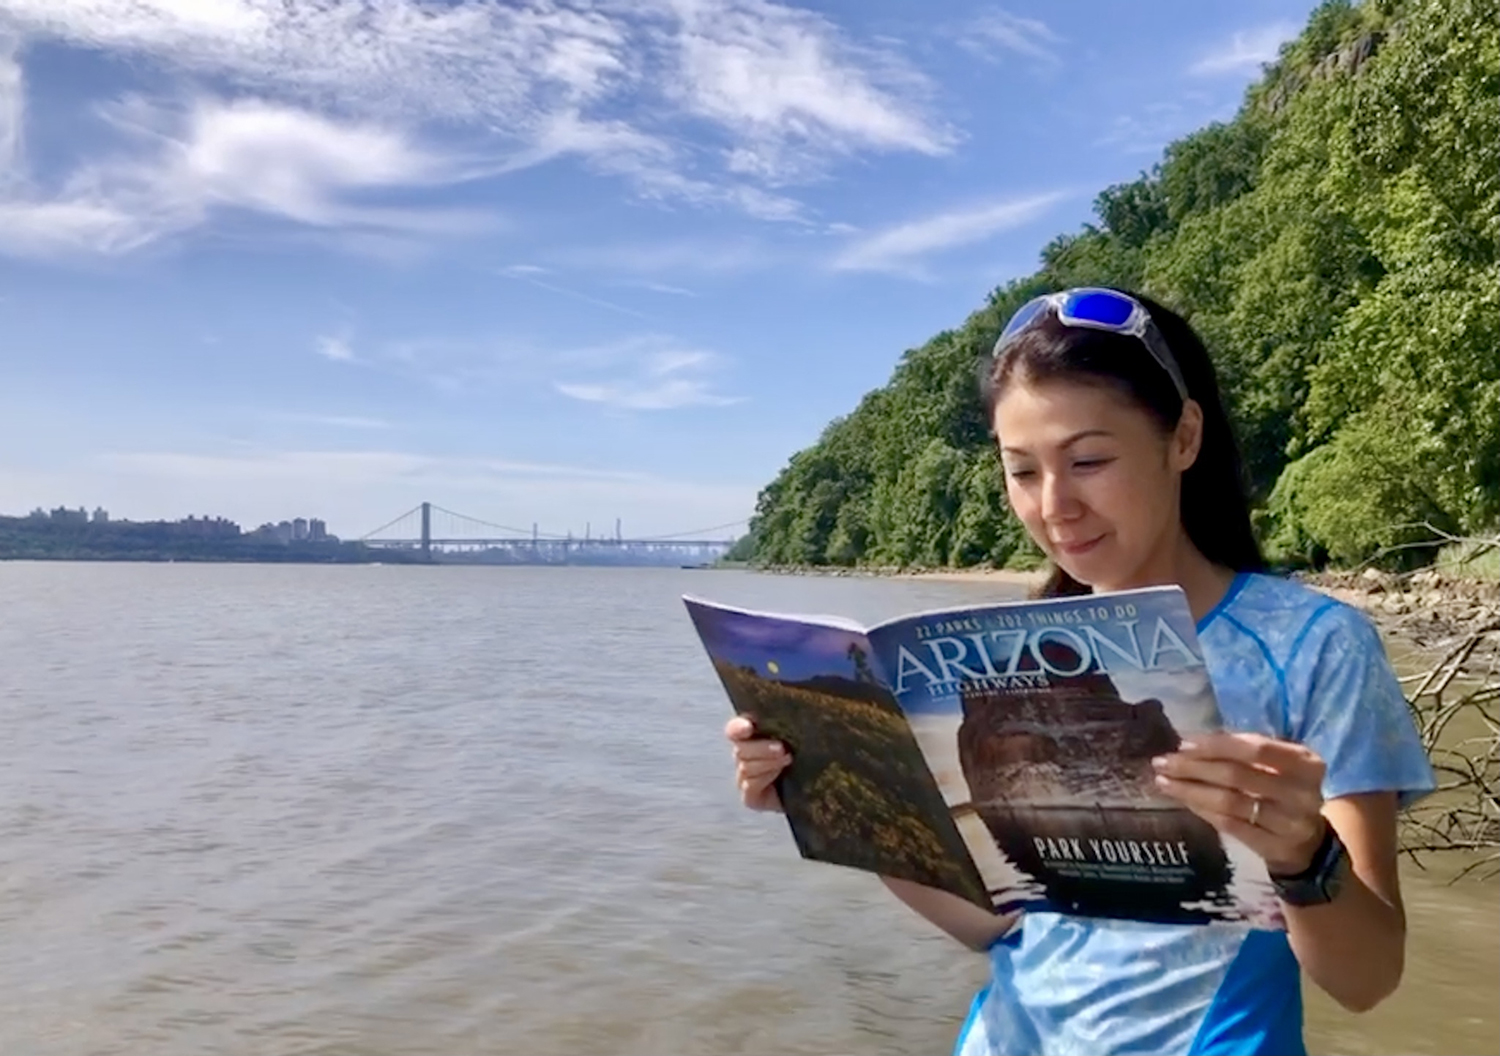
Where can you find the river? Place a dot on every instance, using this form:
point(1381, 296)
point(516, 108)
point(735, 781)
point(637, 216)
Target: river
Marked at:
point(427, 811)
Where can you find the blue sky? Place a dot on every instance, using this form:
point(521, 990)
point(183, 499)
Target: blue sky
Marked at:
point(535, 262)
point(799, 650)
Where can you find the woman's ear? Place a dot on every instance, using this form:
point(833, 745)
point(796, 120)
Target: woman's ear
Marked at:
point(1187, 439)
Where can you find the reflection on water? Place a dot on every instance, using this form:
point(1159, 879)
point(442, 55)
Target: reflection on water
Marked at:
point(381, 811)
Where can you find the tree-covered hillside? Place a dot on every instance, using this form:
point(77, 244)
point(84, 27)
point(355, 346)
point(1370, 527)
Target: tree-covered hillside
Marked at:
point(1335, 244)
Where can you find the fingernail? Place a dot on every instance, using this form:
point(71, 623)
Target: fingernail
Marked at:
point(1163, 780)
point(1159, 762)
point(1187, 746)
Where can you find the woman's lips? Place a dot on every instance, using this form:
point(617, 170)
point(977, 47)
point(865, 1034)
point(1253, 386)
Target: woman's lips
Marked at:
point(1074, 548)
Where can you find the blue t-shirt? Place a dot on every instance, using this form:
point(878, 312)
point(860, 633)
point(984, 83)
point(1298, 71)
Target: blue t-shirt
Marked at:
point(1287, 662)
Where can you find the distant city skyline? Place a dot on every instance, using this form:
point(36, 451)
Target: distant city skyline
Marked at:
point(534, 262)
point(302, 527)
point(298, 528)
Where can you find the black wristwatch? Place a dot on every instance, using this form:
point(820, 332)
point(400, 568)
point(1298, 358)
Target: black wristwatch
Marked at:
point(1322, 880)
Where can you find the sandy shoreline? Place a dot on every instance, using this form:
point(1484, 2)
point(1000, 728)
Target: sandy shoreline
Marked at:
point(1005, 576)
point(1414, 605)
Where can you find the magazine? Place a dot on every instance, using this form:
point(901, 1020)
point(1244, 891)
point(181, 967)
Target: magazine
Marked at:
point(1001, 752)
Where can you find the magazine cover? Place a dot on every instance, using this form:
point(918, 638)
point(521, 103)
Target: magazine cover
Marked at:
point(1033, 722)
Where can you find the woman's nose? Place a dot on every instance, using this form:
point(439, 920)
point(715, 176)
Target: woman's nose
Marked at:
point(1058, 501)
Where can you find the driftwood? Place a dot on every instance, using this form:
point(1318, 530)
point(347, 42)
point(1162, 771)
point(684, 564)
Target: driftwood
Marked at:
point(1456, 703)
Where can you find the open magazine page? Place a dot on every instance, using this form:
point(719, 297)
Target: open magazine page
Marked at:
point(1039, 720)
point(858, 792)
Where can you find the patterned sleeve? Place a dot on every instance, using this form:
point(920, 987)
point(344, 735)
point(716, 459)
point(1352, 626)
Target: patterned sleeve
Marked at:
point(1346, 705)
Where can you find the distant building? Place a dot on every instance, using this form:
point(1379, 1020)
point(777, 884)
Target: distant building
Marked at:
point(317, 531)
point(204, 528)
point(63, 515)
point(283, 531)
point(299, 529)
point(101, 515)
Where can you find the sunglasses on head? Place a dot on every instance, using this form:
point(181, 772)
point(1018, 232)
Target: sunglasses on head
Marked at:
point(1097, 309)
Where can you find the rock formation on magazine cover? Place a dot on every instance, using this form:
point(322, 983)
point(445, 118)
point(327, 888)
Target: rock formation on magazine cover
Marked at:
point(1059, 770)
point(1074, 742)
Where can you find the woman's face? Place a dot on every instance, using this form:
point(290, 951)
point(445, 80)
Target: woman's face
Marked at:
point(1094, 479)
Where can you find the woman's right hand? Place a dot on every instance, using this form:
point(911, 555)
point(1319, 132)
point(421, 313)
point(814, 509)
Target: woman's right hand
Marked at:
point(758, 763)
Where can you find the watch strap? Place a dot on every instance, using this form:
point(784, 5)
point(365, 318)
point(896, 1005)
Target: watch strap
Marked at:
point(1323, 878)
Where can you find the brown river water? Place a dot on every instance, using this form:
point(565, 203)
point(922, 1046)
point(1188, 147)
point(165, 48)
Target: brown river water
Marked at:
point(387, 811)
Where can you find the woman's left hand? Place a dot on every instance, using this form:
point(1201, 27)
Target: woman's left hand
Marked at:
point(1266, 793)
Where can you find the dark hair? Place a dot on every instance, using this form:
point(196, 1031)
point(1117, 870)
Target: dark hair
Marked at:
point(1215, 503)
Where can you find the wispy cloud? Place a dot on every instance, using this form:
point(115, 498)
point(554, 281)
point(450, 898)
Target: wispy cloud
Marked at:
point(317, 465)
point(901, 249)
point(997, 28)
point(335, 421)
point(528, 273)
point(671, 256)
point(1245, 52)
point(781, 93)
point(789, 89)
point(1157, 124)
point(12, 111)
point(642, 372)
point(662, 287)
point(184, 166)
point(646, 373)
point(337, 347)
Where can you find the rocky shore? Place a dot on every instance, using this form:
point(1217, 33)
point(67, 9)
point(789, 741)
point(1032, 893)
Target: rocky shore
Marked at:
point(1428, 609)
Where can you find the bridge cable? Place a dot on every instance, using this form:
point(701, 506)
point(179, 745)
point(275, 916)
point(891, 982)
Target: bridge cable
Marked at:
point(392, 522)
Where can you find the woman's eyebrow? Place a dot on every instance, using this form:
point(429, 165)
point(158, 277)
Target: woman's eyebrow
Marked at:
point(1067, 441)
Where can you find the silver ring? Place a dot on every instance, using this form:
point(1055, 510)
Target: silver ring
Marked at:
point(1255, 812)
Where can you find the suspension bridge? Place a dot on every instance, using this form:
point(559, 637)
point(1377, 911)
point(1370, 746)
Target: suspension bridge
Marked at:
point(432, 533)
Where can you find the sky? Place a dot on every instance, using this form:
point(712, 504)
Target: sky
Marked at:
point(536, 262)
point(800, 650)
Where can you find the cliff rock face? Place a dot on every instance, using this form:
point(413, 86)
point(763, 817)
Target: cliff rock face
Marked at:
point(1073, 742)
point(1344, 62)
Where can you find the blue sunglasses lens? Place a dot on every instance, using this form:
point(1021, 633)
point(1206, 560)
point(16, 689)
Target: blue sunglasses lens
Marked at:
point(1099, 306)
point(1024, 315)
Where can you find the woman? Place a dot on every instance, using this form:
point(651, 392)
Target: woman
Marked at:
point(1121, 463)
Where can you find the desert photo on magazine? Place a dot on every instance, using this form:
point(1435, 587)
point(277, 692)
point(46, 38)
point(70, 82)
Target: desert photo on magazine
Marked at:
point(1040, 724)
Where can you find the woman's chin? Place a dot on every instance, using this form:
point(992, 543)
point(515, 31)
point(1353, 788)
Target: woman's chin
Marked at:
point(1093, 568)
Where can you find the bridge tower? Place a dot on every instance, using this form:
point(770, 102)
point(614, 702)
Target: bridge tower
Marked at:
point(427, 531)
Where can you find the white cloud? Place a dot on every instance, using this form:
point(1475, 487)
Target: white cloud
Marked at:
point(998, 28)
point(789, 88)
point(1245, 52)
point(623, 87)
point(901, 248)
point(647, 373)
point(185, 166)
point(336, 347)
